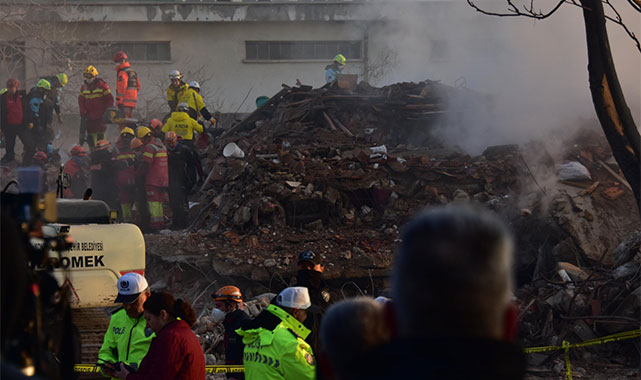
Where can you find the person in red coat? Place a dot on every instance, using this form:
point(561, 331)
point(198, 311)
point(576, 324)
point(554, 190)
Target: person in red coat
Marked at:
point(154, 168)
point(175, 353)
point(78, 169)
point(94, 99)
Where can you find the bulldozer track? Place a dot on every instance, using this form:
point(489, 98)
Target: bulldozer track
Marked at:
point(91, 324)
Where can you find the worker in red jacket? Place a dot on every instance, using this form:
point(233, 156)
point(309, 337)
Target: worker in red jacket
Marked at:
point(127, 85)
point(126, 173)
point(154, 167)
point(94, 99)
point(78, 169)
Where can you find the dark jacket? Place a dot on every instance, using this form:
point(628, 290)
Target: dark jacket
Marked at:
point(319, 295)
point(40, 110)
point(175, 354)
point(182, 167)
point(233, 342)
point(103, 177)
point(443, 359)
point(3, 107)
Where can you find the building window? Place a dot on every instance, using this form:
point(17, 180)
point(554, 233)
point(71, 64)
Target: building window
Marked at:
point(301, 50)
point(104, 51)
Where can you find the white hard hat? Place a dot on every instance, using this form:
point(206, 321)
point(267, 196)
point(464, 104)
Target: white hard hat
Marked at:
point(175, 74)
point(130, 285)
point(295, 297)
point(194, 84)
point(183, 106)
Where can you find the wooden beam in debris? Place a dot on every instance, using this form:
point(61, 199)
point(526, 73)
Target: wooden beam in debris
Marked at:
point(249, 122)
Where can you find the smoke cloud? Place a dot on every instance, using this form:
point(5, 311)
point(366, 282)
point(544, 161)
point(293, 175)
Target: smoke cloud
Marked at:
point(535, 70)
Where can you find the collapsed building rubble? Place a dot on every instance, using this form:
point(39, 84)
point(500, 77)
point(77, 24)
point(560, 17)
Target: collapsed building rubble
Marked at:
point(339, 171)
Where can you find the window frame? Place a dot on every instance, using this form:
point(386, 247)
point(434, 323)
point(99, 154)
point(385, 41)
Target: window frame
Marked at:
point(262, 50)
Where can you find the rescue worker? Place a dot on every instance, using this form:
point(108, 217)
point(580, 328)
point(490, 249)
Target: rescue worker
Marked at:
point(142, 217)
point(182, 176)
point(229, 309)
point(41, 160)
point(40, 115)
point(14, 110)
point(57, 82)
point(127, 85)
point(336, 67)
point(183, 125)
point(194, 100)
point(94, 99)
point(78, 169)
point(274, 341)
point(175, 90)
point(126, 173)
point(103, 174)
point(156, 128)
point(127, 338)
point(310, 275)
point(154, 169)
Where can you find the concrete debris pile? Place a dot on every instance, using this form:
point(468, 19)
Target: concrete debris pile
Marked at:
point(315, 158)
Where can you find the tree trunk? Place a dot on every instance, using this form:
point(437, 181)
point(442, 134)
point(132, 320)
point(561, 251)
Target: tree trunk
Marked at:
point(609, 103)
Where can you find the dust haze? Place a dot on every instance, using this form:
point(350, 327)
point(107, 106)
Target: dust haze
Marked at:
point(534, 70)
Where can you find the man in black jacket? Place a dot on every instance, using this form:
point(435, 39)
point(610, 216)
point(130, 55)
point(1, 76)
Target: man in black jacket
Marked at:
point(310, 275)
point(229, 305)
point(14, 114)
point(182, 177)
point(452, 301)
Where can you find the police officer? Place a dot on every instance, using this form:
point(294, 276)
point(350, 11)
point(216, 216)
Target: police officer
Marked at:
point(127, 339)
point(274, 341)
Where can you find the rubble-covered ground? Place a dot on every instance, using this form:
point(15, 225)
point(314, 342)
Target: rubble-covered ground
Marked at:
point(340, 172)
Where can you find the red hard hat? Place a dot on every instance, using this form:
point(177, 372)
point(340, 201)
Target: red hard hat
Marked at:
point(78, 150)
point(155, 123)
point(40, 157)
point(120, 56)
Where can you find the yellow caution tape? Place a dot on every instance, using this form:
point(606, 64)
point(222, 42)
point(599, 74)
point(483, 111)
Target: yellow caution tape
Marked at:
point(566, 346)
point(92, 368)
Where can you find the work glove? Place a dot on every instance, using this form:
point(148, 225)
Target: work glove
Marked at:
point(30, 126)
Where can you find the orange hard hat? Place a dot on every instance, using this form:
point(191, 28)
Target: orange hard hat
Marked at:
point(135, 143)
point(102, 144)
point(171, 138)
point(229, 292)
point(78, 150)
point(155, 123)
point(119, 56)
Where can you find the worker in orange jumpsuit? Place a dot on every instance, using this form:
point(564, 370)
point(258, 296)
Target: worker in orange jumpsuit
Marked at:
point(94, 99)
point(127, 85)
point(78, 169)
point(126, 173)
point(154, 167)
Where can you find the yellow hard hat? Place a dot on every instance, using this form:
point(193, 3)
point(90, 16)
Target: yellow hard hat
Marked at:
point(142, 132)
point(340, 59)
point(90, 72)
point(127, 130)
point(63, 79)
point(43, 83)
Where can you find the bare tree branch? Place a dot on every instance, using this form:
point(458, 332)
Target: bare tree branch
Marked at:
point(529, 11)
point(516, 12)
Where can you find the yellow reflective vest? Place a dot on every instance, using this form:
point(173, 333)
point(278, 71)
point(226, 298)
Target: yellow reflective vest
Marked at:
point(174, 94)
point(182, 125)
point(126, 340)
point(193, 99)
point(280, 353)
